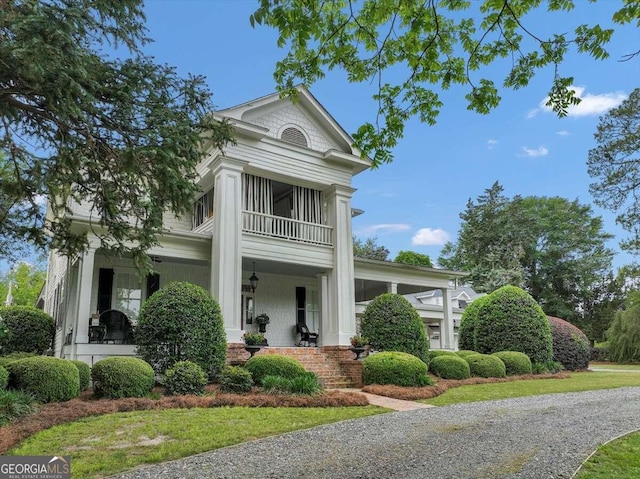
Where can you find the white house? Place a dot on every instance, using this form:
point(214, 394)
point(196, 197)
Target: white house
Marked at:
point(277, 206)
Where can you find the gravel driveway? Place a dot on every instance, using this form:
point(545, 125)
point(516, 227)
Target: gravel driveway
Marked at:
point(539, 437)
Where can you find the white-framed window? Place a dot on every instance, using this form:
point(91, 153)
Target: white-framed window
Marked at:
point(127, 293)
point(313, 310)
point(203, 208)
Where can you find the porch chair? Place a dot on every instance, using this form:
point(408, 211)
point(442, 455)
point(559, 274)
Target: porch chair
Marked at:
point(306, 336)
point(117, 325)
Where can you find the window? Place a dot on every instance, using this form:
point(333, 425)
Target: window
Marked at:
point(128, 294)
point(308, 308)
point(203, 208)
point(248, 311)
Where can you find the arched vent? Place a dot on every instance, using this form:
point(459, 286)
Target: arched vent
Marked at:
point(294, 135)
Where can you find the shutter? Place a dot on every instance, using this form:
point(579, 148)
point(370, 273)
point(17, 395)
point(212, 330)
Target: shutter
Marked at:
point(105, 289)
point(153, 284)
point(301, 300)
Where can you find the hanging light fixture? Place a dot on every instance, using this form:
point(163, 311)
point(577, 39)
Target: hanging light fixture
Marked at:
point(253, 280)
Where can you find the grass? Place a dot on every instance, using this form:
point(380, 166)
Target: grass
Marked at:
point(619, 459)
point(585, 381)
point(626, 367)
point(109, 444)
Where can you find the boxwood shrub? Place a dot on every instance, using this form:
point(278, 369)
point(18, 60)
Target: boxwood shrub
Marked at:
point(4, 378)
point(236, 379)
point(9, 358)
point(463, 353)
point(182, 322)
point(393, 367)
point(571, 347)
point(516, 363)
point(466, 331)
point(486, 366)
point(119, 377)
point(450, 367)
point(510, 320)
point(85, 374)
point(392, 324)
point(28, 330)
point(273, 365)
point(434, 353)
point(47, 379)
point(185, 377)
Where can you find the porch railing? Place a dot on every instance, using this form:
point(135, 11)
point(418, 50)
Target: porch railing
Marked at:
point(286, 228)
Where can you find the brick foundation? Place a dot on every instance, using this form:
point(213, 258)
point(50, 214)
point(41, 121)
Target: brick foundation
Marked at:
point(334, 365)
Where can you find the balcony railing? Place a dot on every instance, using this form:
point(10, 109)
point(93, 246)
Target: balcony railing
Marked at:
point(286, 228)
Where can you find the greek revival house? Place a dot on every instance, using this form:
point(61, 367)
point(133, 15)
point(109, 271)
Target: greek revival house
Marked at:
point(275, 207)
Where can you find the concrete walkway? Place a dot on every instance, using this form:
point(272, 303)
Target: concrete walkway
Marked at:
point(389, 403)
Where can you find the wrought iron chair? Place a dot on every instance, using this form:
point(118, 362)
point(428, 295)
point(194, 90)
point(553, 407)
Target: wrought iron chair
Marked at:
point(117, 327)
point(306, 336)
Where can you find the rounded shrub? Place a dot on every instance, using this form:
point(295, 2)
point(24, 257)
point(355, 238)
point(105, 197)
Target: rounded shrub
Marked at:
point(486, 366)
point(392, 324)
point(463, 353)
point(450, 367)
point(119, 377)
point(510, 320)
point(28, 329)
point(273, 365)
point(4, 378)
point(185, 377)
point(182, 322)
point(236, 379)
point(393, 367)
point(47, 379)
point(9, 358)
point(571, 347)
point(434, 353)
point(466, 331)
point(516, 363)
point(84, 372)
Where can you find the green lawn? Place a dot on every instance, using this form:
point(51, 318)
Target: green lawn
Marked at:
point(577, 382)
point(619, 459)
point(104, 445)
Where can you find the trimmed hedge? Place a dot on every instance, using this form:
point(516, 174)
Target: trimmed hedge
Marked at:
point(236, 379)
point(273, 365)
point(463, 353)
point(466, 331)
point(28, 330)
point(510, 320)
point(486, 366)
point(394, 367)
point(434, 353)
point(516, 363)
point(47, 379)
point(392, 324)
point(571, 347)
point(182, 322)
point(4, 378)
point(450, 367)
point(120, 377)
point(185, 377)
point(9, 358)
point(84, 372)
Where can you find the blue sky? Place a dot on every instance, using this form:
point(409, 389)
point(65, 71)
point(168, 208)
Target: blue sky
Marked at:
point(414, 202)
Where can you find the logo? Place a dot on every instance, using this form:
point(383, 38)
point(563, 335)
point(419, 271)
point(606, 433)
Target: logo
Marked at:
point(35, 467)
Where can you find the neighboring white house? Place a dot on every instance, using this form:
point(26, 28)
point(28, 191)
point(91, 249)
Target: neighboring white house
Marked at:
point(276, 205)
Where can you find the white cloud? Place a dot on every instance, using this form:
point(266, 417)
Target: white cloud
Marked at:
point(491, 143)
point(430, 237)
point(589, 106)
point(563, 133)
point(384, 228)
point(534, 152)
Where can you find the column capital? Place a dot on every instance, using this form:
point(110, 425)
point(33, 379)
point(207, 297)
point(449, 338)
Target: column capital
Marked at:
point(339, 190)
point(221, 163)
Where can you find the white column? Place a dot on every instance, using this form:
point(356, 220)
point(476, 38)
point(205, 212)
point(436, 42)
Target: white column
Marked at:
point(325, 310)
point(226, 243)
point(341, 322)
point(446, 327)
point(85, 283)
point(392, 288)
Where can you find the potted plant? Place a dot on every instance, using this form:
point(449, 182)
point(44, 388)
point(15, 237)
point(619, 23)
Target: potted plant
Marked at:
point(262, 320)
point(358, 345)
point(253, 342)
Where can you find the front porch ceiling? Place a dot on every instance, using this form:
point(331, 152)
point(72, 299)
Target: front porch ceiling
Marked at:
point(367, 289)
point(286, 269)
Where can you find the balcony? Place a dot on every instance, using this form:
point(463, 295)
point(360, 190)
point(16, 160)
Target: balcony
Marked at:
point(286, 228)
